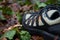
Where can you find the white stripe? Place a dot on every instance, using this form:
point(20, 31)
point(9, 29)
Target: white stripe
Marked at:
point(50, 22)
point(49, 13)
point(40, 22)
point(34, 23)
point(27, 16)
point(30, 23)
point(26, 22)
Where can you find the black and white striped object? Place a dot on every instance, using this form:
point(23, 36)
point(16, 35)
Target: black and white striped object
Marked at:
point(50, 15)
point(46, 22)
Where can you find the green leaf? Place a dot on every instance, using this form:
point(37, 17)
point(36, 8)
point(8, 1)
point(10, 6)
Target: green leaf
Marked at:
point(19, 17)
point(10, 34)
point(51, 1)
point(58, 2)
point(7, 10)
point(40, 4)
point(25, 35)
point(27, 2)
point(1, 0)
point(2, 17)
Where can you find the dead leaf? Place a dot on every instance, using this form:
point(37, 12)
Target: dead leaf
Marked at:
point(36, 37)
point(4, 38)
